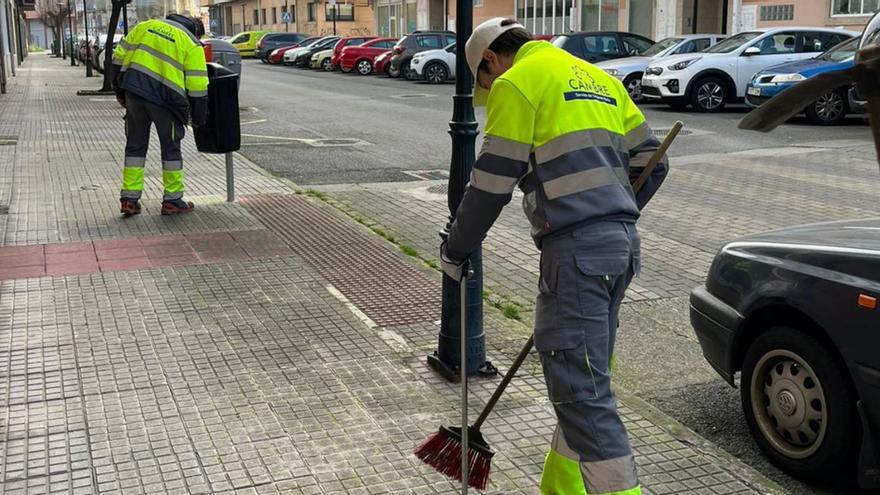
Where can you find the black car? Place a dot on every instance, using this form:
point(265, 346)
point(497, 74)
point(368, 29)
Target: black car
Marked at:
point(596, 46)
point(304, 56)
point(272, 41)
point(409, 45)
point(796, 312)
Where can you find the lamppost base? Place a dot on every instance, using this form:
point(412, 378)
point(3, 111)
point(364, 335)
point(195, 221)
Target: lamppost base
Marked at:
point(452, 374)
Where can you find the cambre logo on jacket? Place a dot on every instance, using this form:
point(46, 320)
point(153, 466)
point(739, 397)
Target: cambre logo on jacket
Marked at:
point(586, 88)
point(166, 32)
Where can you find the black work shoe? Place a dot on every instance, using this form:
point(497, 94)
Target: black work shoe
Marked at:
point(176, 207)
point(129, 207)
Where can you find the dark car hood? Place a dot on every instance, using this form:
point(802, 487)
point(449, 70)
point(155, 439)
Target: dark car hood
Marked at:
point(843, 235)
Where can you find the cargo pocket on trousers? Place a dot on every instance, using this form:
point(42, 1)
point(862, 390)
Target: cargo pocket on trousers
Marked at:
point(567, 371)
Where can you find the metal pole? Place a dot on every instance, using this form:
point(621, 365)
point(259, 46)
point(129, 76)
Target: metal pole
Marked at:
point(88, 42)
point(553, 29)
point(125, 19)
point(463, 129)
point(465, 472)
point(230, 179)
point(334, 19)
point(287, 13)
point(544, 16)
point(70, 23)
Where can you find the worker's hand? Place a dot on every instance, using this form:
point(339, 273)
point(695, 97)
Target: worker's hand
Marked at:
point(454, 269)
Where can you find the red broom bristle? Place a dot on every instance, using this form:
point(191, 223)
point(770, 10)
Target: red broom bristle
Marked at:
point(444, 455)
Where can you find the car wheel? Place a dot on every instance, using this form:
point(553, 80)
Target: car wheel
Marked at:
point(364, 67)
point(265, 60)
point(327, 65)
point(633, 85)
point(709, 95)
point(800, 405)
point(392, 72)
point(436, 74)
point(406, 72)
point(828, 109)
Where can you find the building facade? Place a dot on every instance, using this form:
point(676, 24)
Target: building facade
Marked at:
point(655, 19)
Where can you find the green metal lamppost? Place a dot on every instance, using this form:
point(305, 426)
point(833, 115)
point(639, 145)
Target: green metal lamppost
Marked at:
point(463, 129)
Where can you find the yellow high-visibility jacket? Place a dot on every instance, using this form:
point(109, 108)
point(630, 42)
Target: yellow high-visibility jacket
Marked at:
point(164, 63)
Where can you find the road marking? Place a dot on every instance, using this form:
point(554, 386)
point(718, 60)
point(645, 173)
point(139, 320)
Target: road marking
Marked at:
point(351, 307)
point(254, 122)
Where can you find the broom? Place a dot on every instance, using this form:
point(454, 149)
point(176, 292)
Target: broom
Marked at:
point(443, 450)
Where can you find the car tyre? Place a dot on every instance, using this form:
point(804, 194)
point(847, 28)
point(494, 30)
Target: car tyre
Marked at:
point(709, 95)
point(633, 85)
point(436, 73)
point(364, 67)
point(327, 65)
point(394, 73)
point(828, 109)
point(800, 405)
point(406, 72)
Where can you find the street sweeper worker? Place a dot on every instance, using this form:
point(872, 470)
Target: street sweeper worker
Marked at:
point(162, 80)
point(569, 136)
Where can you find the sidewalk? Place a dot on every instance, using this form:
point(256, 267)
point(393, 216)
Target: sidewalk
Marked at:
point(271, 345)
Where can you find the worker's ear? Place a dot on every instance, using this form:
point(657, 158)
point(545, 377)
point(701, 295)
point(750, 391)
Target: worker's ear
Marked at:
point(491, 58)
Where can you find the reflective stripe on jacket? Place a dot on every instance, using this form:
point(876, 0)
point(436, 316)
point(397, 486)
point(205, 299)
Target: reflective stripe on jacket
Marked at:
point(568, 134)
point(162, 62)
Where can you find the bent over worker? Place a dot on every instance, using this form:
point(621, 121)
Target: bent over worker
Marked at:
point(161, 79)
point(570, 137)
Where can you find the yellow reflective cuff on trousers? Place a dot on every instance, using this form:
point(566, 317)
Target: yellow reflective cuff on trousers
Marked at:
point(173, 180)
point(563, 476)
point(133, 178)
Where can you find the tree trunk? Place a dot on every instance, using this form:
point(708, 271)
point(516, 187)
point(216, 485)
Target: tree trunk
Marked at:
point(108, 47)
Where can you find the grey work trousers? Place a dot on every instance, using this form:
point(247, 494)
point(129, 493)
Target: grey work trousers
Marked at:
point(584, 275)
point(140, 115)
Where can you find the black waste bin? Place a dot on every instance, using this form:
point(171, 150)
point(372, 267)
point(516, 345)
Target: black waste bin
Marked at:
point(222, 132)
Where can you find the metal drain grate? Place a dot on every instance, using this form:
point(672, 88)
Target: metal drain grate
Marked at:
point(319, 143)
point(663, 132)
point(8, 140)
point(439, 189)
point(417, 95)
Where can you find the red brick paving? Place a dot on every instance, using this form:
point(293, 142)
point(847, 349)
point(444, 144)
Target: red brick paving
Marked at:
point(79, 258)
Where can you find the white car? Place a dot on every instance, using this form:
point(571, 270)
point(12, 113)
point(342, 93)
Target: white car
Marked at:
point(710, 79)
point(630, 70)
point(434, 66)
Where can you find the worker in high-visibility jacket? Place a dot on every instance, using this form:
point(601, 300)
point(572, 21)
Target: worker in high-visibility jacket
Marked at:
point(161, 80)
point(570, 137)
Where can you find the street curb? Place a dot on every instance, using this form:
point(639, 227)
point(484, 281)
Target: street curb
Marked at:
point(749, 475)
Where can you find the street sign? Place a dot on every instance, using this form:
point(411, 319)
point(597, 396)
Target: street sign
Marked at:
point(333, 2)
point(214, 23)
point(286, 17)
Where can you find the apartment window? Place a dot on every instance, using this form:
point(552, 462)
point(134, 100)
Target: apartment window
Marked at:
point(344, 12)
point(313, 12)
point(256, 17)
point(263, 16)
point(478, 3)
point(274, 15)
point(854, 7)
point(777, 12)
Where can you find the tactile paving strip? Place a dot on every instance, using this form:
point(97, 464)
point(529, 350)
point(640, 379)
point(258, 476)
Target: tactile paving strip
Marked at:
point(372, 277)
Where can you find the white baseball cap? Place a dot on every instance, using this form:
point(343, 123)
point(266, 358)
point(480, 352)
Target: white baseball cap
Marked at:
point(481, 37)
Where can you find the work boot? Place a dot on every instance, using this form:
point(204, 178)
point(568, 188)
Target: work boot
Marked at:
point(129, 207)
point(176, 206)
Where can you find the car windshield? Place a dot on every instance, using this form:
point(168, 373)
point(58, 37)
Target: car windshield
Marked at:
point(661, 46)
point(309, 42)
point(841, 52)
point(734, 42)
point(559, 41)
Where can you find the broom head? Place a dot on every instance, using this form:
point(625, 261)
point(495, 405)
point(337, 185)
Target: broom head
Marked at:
point(442, 451)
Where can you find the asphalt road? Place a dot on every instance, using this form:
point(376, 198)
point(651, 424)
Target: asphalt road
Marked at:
point(384, 130)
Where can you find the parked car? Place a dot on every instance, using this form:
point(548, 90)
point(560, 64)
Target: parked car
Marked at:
point(277, 55)
point(98, 44)
point(382, 62)
point(322, 60)
point(223, 53)
point(342, 44)
point(300, 57)
point(711, 79)
point(597, 46)
point(272, 41)
point(434, 66)
point(416, 42)
point(361, 56)
point(246, 42)
point(81, 47)
point(630, 70)
point(828, 109)
point(290, 54)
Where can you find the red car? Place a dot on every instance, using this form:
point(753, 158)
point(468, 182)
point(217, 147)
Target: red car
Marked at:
point(277, 56)
point(347, 42)
point(361, 57)
point(382, 62)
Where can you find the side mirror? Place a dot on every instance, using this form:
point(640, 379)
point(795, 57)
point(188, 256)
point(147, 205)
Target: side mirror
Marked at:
point(752, 50)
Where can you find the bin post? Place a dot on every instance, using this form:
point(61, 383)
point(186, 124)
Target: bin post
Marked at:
point(230, 179)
